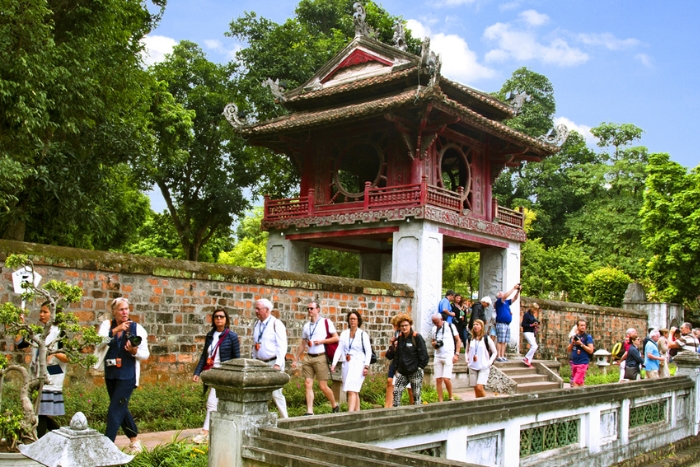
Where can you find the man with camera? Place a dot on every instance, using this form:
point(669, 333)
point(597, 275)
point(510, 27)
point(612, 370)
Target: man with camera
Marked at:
point(504, 316)
point(126, 346)
point(580, 349)
point(447, 344)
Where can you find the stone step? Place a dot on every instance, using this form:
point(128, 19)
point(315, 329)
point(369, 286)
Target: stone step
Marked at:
point(536, 387)
point(332, 457)
point(523, 379)
point(271, 457)
point(519, 371)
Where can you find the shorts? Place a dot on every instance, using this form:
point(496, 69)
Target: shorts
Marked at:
point(502, 332)
point(392, 369)
point(480, 377)
point(315, 366)
point(492, 330)
point(442, 367)
point(578, 373)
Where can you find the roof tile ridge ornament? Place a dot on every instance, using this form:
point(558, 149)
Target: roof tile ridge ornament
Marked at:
point(361, 27)
point(431, 63)
point(399, 36)
point(556, 136)
point(232, 115)
point(276, 88)
point(517, 100)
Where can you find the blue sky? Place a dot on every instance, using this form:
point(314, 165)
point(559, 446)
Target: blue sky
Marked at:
point(618, 61)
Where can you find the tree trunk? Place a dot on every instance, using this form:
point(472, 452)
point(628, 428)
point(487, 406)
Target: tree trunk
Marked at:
point(15, 230)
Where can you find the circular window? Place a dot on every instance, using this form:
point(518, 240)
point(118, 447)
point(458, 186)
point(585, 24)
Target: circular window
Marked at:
point(360, 163)
point(455, 171)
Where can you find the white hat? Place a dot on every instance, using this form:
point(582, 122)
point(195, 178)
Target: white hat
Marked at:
point(486, 299)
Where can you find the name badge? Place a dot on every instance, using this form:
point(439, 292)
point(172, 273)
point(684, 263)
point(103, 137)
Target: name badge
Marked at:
point(409, 344)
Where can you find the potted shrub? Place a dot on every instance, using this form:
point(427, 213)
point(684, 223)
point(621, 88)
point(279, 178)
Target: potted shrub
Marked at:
point(21, 426)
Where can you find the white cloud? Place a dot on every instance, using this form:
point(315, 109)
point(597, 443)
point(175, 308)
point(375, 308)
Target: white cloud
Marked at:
point(607, 40)
point(449, 3)
point(524, 45)
point(217, 46)
point(213, 44)
point(156, 47)
point(645, 60)
point(583, 130)
point(533, 18)
point(459, 63)
point(509, 5)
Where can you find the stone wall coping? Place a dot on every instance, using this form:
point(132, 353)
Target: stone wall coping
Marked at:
point(558, 305)
point(104, 261)
point(384, 424)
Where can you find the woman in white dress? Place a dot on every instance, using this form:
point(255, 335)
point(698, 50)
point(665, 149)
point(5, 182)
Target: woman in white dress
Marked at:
point(356, 351)
point(480, 359)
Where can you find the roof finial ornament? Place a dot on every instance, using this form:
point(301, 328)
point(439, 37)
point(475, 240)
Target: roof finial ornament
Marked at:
point(276, 88)
point(399, 36)
point(517, 100)
point(231, 113)
point(361, 28)
point(556, 136)
point(430, 61)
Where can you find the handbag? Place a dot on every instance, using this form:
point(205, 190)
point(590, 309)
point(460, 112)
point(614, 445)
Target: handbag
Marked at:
point(210, 360)
point(373, 358)
point(330, 348)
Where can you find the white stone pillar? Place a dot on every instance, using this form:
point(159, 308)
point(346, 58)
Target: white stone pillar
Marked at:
point(688, 363)
point(285, 255)
point(417, 262)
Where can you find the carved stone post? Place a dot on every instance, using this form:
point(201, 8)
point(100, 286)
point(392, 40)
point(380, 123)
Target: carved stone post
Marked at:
point(688, 364)
point(244, 388)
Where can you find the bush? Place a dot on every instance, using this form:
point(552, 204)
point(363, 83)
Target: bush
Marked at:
point(178, 454)
point(606, 287)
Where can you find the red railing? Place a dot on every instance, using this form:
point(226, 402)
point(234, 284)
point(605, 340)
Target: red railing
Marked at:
point(417, 194)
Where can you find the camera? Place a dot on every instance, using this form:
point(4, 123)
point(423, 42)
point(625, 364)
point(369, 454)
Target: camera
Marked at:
point(135, 341)
point(439, 344)
point(576, 339)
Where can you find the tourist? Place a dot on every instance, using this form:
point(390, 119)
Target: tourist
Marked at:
point(504, 316)
point(580, 349)
point(663, 352)
point(411, 357)
point(270, 346)
point(446, 342)
point(445, 306)
point(479, 311)
point(355, 351)
point(317, 332)
point(51, 402)
point(480, 358)
point(686, 340)
point(630, 335)
point(530, 327)
point(652, 357)
point(461, 310)
point(220, 345)
point(634, 360)
point(126, 347)
point(393, 342)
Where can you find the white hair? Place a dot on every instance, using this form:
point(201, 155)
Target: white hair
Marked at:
point(631, 331)
point(266, 303)
point(486, 299)
point(654, 333)
point(117, 301)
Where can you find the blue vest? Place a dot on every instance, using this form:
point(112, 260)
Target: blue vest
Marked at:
point(116, 350)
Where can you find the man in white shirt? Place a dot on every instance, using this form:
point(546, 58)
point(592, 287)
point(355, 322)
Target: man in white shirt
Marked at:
point(446, 343)
point(270, 345)
point(316, 332)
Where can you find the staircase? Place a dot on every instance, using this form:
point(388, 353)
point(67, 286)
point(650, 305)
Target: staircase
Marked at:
point(530, 380)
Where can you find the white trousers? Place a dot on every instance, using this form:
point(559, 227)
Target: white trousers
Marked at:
point(212, 405)
point(279, 399)
point(530, 338)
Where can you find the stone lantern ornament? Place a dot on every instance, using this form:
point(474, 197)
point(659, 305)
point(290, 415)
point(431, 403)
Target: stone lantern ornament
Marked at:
point(601, 359)
point(75, 446)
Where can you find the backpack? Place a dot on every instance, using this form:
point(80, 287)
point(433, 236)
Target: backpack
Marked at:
point(330, 348)
point(373, 358)
point(618, 350)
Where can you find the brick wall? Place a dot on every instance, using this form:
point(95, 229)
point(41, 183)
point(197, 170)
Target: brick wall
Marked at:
point(174, 300)
point(606, 325)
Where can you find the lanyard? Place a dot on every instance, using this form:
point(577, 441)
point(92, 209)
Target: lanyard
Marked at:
point(311, 334)
point(262, 330)
point(353, 340)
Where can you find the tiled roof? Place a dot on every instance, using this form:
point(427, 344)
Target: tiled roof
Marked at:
point(482, 96)
point(440, 101)
point(352, 85)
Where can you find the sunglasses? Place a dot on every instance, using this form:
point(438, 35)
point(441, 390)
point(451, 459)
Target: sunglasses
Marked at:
point(219, 316)
point(310, 308)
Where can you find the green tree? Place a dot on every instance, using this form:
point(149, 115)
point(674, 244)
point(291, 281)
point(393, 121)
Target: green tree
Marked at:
point(72, 91)
point(250, 249)
point(461, 273)
point(606, 287)
point(334, 263)
point(671, 229)
point(201, 172)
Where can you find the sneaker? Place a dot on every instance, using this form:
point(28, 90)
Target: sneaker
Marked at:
point(527, 362)
point(307, 414)
point(201, 438)
point(336, 409)
point(504, 359)
point(500, 359)
point(134, 448)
